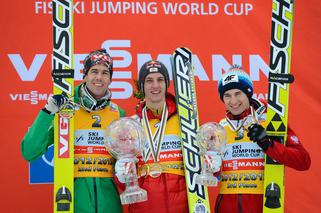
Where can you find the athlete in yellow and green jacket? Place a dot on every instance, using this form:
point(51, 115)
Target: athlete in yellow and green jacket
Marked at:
point(94, 187)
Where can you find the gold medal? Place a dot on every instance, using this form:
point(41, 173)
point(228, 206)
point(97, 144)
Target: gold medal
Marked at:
point(245, 123)
point(67, 110)
point(155, 170)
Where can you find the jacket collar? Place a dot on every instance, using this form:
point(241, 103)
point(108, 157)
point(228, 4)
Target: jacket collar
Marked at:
point(171, 106)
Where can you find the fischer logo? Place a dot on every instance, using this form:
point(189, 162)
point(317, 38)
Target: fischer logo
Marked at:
point(62, 44)
point(34, 97)
point(280, 42)
point(188, 125)
point(63, 132)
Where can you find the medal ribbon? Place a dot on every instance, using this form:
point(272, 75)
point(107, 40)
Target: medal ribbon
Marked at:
point(236, 128)
point(154, 141)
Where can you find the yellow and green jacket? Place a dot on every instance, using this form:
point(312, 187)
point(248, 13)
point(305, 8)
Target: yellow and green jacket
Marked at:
point(94, 187)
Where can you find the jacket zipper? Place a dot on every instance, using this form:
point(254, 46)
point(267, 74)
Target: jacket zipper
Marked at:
point(95, 195)
point(218, 203)
point(239, 203)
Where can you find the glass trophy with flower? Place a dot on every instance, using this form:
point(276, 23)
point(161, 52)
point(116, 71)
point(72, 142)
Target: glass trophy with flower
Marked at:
point(124, 140)
point(211, 138)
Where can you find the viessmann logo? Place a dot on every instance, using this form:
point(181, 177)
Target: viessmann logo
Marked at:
point(34, 97)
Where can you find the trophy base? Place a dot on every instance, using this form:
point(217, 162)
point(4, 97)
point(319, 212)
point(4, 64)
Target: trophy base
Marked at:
point(206, 180)
point(133, 195)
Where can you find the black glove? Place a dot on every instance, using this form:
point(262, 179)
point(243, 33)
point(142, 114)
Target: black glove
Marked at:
point(257, 133)
point(54, 103)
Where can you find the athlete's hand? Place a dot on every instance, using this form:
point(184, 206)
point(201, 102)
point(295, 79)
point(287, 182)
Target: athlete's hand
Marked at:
point(257, 133)
point(54, 103)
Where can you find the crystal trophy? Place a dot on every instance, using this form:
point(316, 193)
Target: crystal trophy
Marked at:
point(211, 138)
point(124, 140)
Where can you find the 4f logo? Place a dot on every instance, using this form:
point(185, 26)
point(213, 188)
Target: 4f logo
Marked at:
point(229, 79)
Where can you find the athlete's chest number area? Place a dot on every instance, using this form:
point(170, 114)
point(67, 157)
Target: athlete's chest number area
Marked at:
point(97, 119)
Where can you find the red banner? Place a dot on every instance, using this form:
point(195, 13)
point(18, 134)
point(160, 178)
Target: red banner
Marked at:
point(220, 33)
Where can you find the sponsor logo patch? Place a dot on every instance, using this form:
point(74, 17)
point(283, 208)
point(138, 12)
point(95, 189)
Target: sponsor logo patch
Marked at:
point(230, 79)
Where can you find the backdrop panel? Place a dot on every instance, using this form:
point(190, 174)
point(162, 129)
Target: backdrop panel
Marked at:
point(220, 33)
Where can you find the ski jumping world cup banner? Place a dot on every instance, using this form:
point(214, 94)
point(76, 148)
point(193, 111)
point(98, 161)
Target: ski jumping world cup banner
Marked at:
point(219, 32)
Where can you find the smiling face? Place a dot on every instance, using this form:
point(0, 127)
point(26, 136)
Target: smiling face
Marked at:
point(155, 89)
point(236, 101)
point(97, 80)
